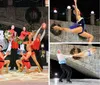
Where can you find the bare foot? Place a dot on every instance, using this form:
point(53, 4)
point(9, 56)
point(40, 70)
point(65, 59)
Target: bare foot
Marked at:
point(35, 70)
point(38, 70)
point(20, 70)
point(28, 72)
point(6, 71)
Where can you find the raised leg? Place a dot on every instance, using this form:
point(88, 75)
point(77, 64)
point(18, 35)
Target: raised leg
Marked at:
point(88, 36)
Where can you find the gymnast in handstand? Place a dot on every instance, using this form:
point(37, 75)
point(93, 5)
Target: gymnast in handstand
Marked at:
point(77, 28)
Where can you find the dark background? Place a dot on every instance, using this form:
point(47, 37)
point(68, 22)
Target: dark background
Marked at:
point(85, 6)
point(23, 3)
point(55, 68)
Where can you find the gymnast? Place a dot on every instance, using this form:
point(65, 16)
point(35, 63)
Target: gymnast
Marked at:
point(24, 60)
point(37, 42)
point(78, 27)
point(85, 53)
point(11, 38)
point(23, 34)
point(22, 37)
point(3, 61)
point(34, 45)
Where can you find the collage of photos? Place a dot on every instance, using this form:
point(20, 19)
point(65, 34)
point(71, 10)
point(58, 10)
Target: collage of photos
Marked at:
point(49, 42)
point(74, 42)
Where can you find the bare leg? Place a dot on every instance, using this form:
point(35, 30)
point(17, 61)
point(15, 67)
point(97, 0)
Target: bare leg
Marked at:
point(22, 68)
point(36, 62)
point(28, 70)
point(1, 71)
point(88, 36)
point(7, 62)
point(19, 62)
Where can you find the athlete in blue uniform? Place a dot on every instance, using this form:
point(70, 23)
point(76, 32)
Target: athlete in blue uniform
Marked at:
point(85, 53)
point(77, 27)
point(80, 23)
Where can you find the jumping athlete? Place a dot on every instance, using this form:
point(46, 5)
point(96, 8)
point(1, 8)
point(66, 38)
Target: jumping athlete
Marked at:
point(77, 28)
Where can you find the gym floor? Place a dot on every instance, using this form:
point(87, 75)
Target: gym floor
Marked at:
point(15, 78)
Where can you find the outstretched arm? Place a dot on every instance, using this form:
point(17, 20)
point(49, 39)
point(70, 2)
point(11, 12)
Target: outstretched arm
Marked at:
point(81, 54)
point(77, 11)
point(75, 2)
point(36, 33)
point(67, 56)
point(43, 34)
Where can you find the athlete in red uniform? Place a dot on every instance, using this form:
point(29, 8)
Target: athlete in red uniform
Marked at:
point(28, 43)
point(3, 61)
point(13, 35)
point(37, 42)
point(24, 61)
point(23, 34)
